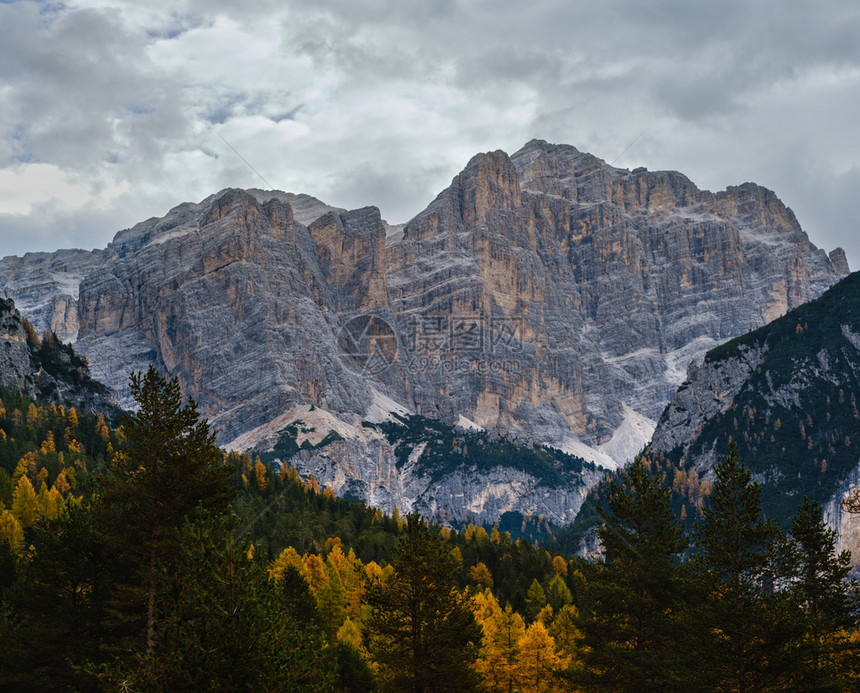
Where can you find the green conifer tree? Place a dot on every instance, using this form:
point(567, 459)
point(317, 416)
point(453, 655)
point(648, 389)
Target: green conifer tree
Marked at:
point(745, 625)
point(632, 635)
point(535, 600)
point(167, 467)
point(421, 632)
point(60, 603)
point(829, 600)
point(224, 625)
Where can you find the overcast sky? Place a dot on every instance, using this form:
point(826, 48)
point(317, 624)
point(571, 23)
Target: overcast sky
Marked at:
point(113, 112)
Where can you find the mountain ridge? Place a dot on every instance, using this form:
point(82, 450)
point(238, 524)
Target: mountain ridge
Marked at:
point(786, 394)
point(544, 296)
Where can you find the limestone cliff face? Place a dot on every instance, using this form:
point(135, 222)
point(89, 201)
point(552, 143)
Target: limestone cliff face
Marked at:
point(14, 352)
point(608, 281)
point(544, 295)
point(241, 302)
point(47, 369)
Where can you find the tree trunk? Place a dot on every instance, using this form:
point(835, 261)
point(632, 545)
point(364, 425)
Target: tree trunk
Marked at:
point(150, 608)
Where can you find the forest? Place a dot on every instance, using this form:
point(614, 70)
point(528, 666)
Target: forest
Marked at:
point(144, 558)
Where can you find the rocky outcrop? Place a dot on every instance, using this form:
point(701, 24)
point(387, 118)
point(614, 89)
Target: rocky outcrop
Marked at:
point(47, 369)
point(846, 525)
point(363, 463)
point(14, 353)
point(365, 468)
point(545, 296)
point(786, 395)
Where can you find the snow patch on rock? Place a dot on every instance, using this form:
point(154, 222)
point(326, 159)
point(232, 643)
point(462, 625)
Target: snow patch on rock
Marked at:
point(316, 424)
point(573, 446)
point(468, 424)
point(630, 437)
point(383, 408)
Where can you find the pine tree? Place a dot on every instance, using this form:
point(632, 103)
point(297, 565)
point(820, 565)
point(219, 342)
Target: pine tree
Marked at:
point(829, 600)
point(60, 602)
point(421, 632)
point(167, 467)
point(565, 631)
point(535, 599)
point(557, 593)
point(632, 633)
point(224, 625)
point(745, 625)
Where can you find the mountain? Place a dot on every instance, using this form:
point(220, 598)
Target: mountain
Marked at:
point(787, 394)
point(47, 369)
point(546, 297)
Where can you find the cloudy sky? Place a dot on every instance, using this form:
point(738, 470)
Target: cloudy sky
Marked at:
point(113, 112)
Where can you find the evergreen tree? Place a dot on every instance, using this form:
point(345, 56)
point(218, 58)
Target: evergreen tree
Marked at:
point(8, 563)
point(421, 632)
point(224, 625)
point(828, 598)
point(558, 594)
point(352, 674)
point(60, 603)
point(745, 624)
point(632, 634)
point(535, 600)
point(166, 467)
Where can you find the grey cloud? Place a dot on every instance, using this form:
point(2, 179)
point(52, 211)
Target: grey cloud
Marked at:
point(83, 93)
point(398, 194)
point(72, 78)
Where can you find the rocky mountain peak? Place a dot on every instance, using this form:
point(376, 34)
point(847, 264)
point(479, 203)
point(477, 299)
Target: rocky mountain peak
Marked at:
point(839, 261)
point(546, 295)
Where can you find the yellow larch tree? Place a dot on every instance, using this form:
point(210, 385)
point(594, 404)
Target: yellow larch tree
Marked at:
point(373, 571)
point(24, 506)
point(55, 503)
point(48, 444)
point(485, 606)
point(289, 556)
point(11, 531)
point(42, 500)
point(480, 575)
point(537, 661)
point(61, 483)
point(350, 633)
point(102, 430)
point(500, 650)
point(313, 570)
point(261, 476)
point(34, 417)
